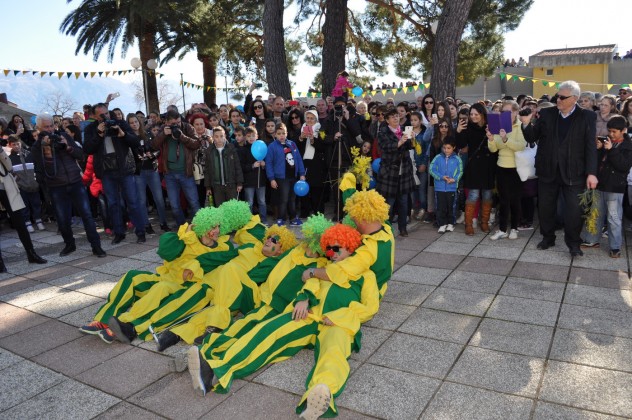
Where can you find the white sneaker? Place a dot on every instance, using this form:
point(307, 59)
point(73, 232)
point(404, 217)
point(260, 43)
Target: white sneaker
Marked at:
point(499, 235)
point(461, 218)
point(450, 228)
point(442, 229)
point(474, 222)
point(40, 226)
point(513, 234)
point(29, 227)
point(420, 215)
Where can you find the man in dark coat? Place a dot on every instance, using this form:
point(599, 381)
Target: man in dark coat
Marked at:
point(566, 163)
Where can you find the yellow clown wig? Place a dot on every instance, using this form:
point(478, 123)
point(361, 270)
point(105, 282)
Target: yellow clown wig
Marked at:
point(313, 229)
point(286, 236)
point(343, 235)
point(236, 214)
point(206, 219)
point(367, 206)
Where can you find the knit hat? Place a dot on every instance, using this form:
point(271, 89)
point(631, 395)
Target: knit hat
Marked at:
point(313, 112)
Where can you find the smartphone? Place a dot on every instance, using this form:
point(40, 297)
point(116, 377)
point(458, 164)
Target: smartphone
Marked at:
point(115, 95)
point(434, 116)
point(408, 130)
point(253, 120)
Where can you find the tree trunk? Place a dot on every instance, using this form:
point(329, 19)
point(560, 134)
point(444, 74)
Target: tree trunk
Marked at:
point(209, 73)
point(445, 50)
point(147, 52)
point(274, 58)
point(334, 30)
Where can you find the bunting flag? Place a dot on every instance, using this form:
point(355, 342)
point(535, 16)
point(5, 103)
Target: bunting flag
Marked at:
point(553, 83)
point(77, 74)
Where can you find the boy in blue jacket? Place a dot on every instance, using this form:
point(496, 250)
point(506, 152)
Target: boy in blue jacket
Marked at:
point(283, 166)
point(446, 169)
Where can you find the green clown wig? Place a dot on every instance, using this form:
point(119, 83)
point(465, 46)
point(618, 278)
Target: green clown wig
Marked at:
point(206, 219)
point(312, 229)
point(236, 214)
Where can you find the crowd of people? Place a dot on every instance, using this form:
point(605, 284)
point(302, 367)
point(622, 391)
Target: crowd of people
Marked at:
point(438, 161)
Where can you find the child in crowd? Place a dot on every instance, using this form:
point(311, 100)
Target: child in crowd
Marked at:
point(283, 166)
point(615, 161)
point(343, 85)
point(268, 134)
point(254, 175)
point(446, 169)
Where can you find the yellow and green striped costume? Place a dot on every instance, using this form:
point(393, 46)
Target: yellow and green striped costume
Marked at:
point(135, 285)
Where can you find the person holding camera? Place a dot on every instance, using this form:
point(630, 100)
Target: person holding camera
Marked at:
point(342, 131)
point(55, 156)
point(178, 146)
point(112, 142)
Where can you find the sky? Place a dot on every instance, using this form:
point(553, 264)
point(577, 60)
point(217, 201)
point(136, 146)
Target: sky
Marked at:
point(37, 43)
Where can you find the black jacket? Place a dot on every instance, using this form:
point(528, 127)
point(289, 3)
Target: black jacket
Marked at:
point(614, 166)
point(573, 158)
point(253, 177)
point(94, 144)
point(63, 168)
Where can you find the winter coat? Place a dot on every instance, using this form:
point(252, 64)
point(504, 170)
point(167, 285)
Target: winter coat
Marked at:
point(64, 170)
point(614, 166)
point(187, 139)
point(90, 178)
point(124, 147)
point(275, 160)
point(390, 183)
point(232, 168)
point(574, 158)
point(480, 170)
point(507, 150)
point(253, 177)
point(8, 183)
point(442, 166)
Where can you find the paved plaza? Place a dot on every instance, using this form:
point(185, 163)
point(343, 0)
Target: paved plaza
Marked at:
point(469, 329)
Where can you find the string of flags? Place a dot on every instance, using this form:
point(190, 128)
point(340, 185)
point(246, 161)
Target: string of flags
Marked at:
point(553, 83)
point(77, 74)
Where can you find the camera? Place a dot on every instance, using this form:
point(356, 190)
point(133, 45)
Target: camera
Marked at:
point(524, 111)
point(338, 111)
point(175, 131)
point(111, 127)
point(258, 85)
point(55, 140)
point(602, 138)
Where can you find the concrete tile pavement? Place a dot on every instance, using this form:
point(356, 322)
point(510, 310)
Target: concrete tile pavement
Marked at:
point(470, 328)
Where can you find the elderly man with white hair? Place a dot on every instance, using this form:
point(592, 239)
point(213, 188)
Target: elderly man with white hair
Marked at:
point(55, 155)
point(565, 163)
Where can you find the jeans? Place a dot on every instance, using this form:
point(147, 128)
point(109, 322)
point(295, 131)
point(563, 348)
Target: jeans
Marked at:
point(64, 198)
point(285, 198)
point(420, 195)
point(473, 195)
point(113, 185)
point(612, 205)
point(402, 209)
point(261, 200)
point(177, 182)
point(32, 206)
point(151, 179)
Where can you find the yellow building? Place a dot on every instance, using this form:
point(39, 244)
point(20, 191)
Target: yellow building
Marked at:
point(588, 66)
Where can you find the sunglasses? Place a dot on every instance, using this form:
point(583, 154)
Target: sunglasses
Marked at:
point(428, 102)
point(563, 98)
point(296, 117)
point(380, 115)
point(274, 239)
point(373, 114)
point(335, 248)
point(258, 107)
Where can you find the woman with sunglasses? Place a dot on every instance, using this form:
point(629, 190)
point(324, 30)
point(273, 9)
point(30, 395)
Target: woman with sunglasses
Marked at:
point(427, 107)
point(258, 113)
point(294, 123)
point(480, 172)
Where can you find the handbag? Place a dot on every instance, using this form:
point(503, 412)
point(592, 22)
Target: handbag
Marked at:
point(525, 162)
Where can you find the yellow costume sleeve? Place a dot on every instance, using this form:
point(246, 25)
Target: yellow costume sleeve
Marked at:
point(189, 238)
point(194, 265)
point(310, 291)
point(356, 313)
point(351, 268)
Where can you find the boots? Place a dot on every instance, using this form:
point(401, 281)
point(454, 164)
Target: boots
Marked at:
point(3, 268)
point(470, 208)
point(34, 258)
point(486, 209)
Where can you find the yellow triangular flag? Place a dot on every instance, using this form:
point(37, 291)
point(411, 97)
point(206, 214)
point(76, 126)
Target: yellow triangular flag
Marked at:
point(551, 84)
point(6, 72)
point(60, 73)
point(426, 85)
point(383, 92)
point(535, 80)
point(394, 91)
point(24, 71)
point(521, 79)
point(92, 73)
point(42, 73)
point(415, 88)
point(208, 88)
point(107, 73)
point(77, 74)
point(610, 86)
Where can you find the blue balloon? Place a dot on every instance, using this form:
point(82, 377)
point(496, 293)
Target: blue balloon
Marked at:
point(357, 91)
point(301, 188)
point(240, 108)
point(376, 165)
point(259, 149)
point(372, 183)
point(33, 120)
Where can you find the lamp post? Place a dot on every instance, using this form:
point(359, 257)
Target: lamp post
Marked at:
point(151, 65)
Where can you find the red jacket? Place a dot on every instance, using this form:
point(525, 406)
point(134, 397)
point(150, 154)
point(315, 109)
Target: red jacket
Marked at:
point(90, 178)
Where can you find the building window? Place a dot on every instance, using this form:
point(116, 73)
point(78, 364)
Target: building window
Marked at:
point(549, 72)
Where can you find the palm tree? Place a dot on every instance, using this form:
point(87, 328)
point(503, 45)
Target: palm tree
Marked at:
point(103, 23)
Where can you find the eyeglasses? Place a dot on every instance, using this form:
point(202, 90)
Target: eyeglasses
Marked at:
point(274, 239)
point(258, 107)
point(443, 126)
point(563, 98)
point(428, 102)
point(335, 248)
point(296, 117)
point(373, 114)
